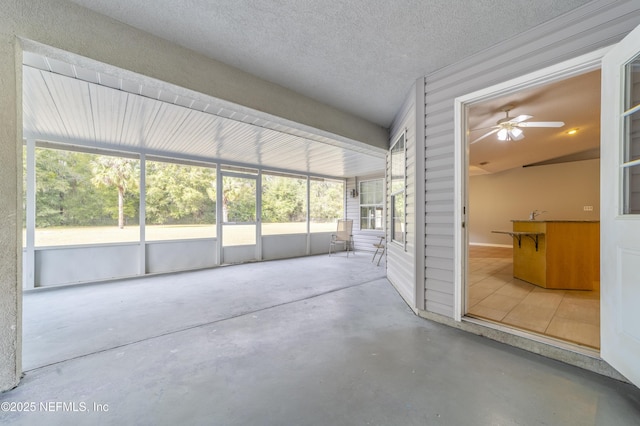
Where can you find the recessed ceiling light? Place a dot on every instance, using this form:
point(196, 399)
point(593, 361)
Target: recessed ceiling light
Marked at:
point(572, 132)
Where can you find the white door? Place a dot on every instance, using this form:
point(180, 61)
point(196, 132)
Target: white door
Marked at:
point(620, 210)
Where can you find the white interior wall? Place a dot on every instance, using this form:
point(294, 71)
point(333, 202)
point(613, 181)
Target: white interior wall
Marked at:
point(562, 190)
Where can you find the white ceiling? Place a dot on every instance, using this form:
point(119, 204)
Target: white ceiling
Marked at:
point(360, 56)
point(64, 103)
point(575, 101)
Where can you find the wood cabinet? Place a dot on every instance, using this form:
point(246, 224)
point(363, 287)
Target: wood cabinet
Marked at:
point(567, 254)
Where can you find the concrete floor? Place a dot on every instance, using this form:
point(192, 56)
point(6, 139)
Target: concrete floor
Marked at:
point(311, 341)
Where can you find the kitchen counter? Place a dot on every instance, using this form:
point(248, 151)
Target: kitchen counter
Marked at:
point(557, 254)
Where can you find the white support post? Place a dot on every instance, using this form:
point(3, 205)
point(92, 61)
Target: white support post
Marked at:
point(219, 231)
point(308, 215)
point(142, 215)
point(259, 216)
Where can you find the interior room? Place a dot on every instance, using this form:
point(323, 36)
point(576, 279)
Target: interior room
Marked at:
point(551, 172)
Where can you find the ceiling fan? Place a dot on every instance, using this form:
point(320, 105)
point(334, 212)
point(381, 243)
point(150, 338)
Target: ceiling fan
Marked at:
point(510, 128)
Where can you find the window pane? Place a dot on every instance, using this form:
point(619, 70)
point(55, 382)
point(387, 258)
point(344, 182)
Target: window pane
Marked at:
point(379, 218)
point(632, 190)
point(284, 205)
point(371, 204)
point(85, 198)
point(632, 137)
point(397, 222)
point(365, 217)
point(631, 140)
point(326, 203)
point(398, 165)
point(632, 97)
point(379, 192)
point(180, 201)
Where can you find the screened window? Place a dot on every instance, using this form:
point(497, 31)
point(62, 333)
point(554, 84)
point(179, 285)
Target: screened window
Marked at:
point(371, 204)
point(631, 139)
point(84, 198)
point(398, 188)
point(180, 201)
point(326, 204)
point(284, 204)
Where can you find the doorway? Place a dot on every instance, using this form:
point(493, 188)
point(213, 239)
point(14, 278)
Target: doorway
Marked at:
point(550, 173)
point(240, 232)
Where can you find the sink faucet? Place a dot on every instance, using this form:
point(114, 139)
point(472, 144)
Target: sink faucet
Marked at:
point(535, 213)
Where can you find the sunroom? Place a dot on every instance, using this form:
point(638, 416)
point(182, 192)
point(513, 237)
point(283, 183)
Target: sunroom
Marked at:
point(126, 176)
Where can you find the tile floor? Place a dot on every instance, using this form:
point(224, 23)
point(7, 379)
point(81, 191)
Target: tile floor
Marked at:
point(494, 294)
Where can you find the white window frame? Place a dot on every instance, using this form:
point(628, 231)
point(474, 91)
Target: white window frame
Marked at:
point(400, 191)
point(379, 205)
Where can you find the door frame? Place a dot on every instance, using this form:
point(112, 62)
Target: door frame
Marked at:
point(257, 247)
point(570, 68)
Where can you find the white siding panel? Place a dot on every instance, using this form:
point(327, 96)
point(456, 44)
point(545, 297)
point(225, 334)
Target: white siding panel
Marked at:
point(400, 259)
point(596, 25)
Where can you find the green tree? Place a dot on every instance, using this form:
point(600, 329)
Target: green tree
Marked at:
point(121, 173)
point(327, 200)
point(238, 199)
point(283, 199)
point(180, 194)
point(64, 195)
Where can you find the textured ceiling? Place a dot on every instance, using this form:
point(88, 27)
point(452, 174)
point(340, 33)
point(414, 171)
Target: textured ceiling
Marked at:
point(360, 56)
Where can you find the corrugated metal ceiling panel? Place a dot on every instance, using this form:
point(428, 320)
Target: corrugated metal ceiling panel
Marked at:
point(61, 107)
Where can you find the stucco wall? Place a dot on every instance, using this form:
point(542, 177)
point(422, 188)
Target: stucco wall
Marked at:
point(10, 217)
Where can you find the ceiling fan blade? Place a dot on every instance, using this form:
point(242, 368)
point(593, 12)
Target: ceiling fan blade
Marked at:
point(482, 128)
point(521, 118)
point(542, 124)
point(484, 136)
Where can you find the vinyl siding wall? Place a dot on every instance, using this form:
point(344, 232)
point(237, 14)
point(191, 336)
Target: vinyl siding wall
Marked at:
point(401, 259)
point(596, 25)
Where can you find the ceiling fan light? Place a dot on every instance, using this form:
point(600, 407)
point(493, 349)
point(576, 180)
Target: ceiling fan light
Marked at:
point(503, 134)
point(515, 133)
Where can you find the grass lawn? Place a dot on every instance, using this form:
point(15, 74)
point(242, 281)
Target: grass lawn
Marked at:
point(233, 234)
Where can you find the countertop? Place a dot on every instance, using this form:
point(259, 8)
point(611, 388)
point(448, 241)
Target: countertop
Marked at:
point(551, 220)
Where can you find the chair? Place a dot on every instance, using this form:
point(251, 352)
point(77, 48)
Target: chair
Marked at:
point(380, 247)
point(342, 236)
